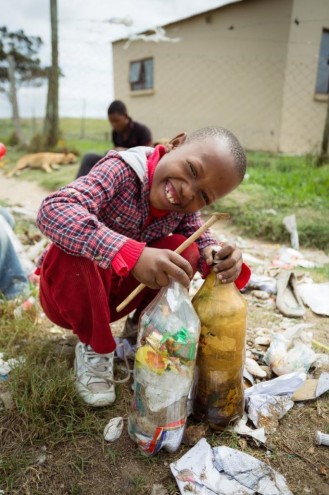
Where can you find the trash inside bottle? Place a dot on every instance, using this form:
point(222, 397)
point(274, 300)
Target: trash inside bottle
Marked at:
point(164, 364)
point(219, 395)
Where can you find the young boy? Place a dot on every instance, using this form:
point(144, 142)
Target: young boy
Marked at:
point(119, 226)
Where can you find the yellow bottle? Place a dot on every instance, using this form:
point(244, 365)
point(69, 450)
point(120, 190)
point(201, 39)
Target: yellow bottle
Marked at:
point(219, 394)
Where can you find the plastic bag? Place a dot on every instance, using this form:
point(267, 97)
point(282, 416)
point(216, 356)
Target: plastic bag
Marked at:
point(290, 351)
point(168, 336)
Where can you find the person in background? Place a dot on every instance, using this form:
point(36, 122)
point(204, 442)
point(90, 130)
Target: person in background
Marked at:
point(126, 133)
point(13, 279)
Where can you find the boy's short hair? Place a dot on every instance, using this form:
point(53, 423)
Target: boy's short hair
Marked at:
point(117, 106)
point(229, 138)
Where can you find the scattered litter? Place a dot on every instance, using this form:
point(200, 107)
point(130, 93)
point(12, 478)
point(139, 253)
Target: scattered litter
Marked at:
point(252, 260)
point(27, 305)
point(263, 340)
point(254, 369)
point(7, 366)
point(291, 225)
point(289, 258)
point(113, 429)
point(285, 384)
point(124, 348)
point(291, 351)
point(194, 433)
point(322, 362)
point(316, 297)
point(241, 428)
point(288, 300)
point(6, 401)
point(222, 470)
point(42, 456)
point(312, 388)
point(248, 376)
point(266, 410)
point(260, 294)
point(321, 438)
point(158, 489)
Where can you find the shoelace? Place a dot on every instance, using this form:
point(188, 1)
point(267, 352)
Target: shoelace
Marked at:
point(104, 362)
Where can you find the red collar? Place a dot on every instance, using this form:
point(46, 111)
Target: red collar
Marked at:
point(152, 162)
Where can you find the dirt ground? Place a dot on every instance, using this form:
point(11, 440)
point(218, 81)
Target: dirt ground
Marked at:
point(119, 469)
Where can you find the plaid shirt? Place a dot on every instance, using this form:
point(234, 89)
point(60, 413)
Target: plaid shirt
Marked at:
point(96, 215)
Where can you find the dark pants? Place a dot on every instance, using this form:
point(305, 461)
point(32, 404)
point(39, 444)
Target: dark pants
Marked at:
point(87, 163)
point(77, 294)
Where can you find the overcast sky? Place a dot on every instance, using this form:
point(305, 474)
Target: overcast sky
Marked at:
point(85, 53)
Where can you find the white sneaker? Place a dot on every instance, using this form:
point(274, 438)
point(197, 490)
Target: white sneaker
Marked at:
point(94, 376)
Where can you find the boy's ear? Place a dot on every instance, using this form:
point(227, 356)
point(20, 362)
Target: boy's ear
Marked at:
point(178, 140)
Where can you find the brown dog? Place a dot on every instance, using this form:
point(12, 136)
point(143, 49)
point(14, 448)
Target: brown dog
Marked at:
point(45, 161)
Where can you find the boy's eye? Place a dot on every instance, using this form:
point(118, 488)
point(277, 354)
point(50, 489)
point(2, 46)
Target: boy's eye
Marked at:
point(205, 198)
point(193, 171)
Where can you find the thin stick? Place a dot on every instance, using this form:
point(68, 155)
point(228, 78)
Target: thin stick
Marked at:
point(319, 344)
point(180, 249)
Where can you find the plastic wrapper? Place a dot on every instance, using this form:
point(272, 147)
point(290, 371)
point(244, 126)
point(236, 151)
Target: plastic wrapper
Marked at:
point(290, 351)
point(168, 336)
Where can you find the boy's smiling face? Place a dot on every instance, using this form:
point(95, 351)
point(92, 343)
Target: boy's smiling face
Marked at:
point(193, 175)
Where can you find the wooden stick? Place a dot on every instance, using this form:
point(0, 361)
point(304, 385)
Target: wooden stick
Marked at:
point(180, 249)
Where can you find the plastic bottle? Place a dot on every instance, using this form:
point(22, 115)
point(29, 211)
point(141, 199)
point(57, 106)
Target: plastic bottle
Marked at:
point(168, 336)
point(219, 395)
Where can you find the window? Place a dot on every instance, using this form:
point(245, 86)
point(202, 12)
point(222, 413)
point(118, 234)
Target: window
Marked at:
point(141, 74)
point(322, 81)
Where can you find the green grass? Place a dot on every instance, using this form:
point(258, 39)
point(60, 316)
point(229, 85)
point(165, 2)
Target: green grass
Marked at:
point(277, 186)
point(97, 140)
point(71, 129)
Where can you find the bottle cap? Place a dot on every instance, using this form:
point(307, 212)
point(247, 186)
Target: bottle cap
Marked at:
point(321, 438)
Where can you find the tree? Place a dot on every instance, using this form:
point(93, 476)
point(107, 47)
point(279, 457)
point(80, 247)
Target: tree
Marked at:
point(51, 128)
point(325, 140)
point(19, 65)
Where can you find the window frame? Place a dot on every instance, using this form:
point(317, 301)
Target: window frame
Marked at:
point(322, 93)
point(144, 80)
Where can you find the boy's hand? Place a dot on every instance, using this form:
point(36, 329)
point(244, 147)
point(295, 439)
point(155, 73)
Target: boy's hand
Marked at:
point(227, 261)
point(155, 266)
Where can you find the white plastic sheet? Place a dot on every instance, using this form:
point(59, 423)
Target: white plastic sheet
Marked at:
point(224, 471)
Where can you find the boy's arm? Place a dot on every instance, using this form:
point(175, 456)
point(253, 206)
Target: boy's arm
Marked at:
point(230, 267)
point(69, 217)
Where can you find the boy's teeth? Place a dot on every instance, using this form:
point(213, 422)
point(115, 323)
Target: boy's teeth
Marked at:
point(170, 198)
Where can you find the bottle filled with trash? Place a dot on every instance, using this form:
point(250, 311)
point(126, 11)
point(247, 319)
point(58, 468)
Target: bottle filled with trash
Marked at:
point(167, 342)
point(219, 391)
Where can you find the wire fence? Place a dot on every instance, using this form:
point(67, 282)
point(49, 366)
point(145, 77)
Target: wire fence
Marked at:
point(268, 100)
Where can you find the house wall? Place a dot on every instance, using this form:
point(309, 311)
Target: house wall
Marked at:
point(215, 75)
point(246, 66)
point(303, 114)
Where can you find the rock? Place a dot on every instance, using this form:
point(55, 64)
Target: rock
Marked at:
point(6, 401)
point(254, 368)
point(158, 489)
point(113, 429)
point(260, 294)
point(194, 433)
point(267, 370)
point(262, 340)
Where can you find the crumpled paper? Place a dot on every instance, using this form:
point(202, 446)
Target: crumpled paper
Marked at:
point(267, 402)
point(224, 471)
